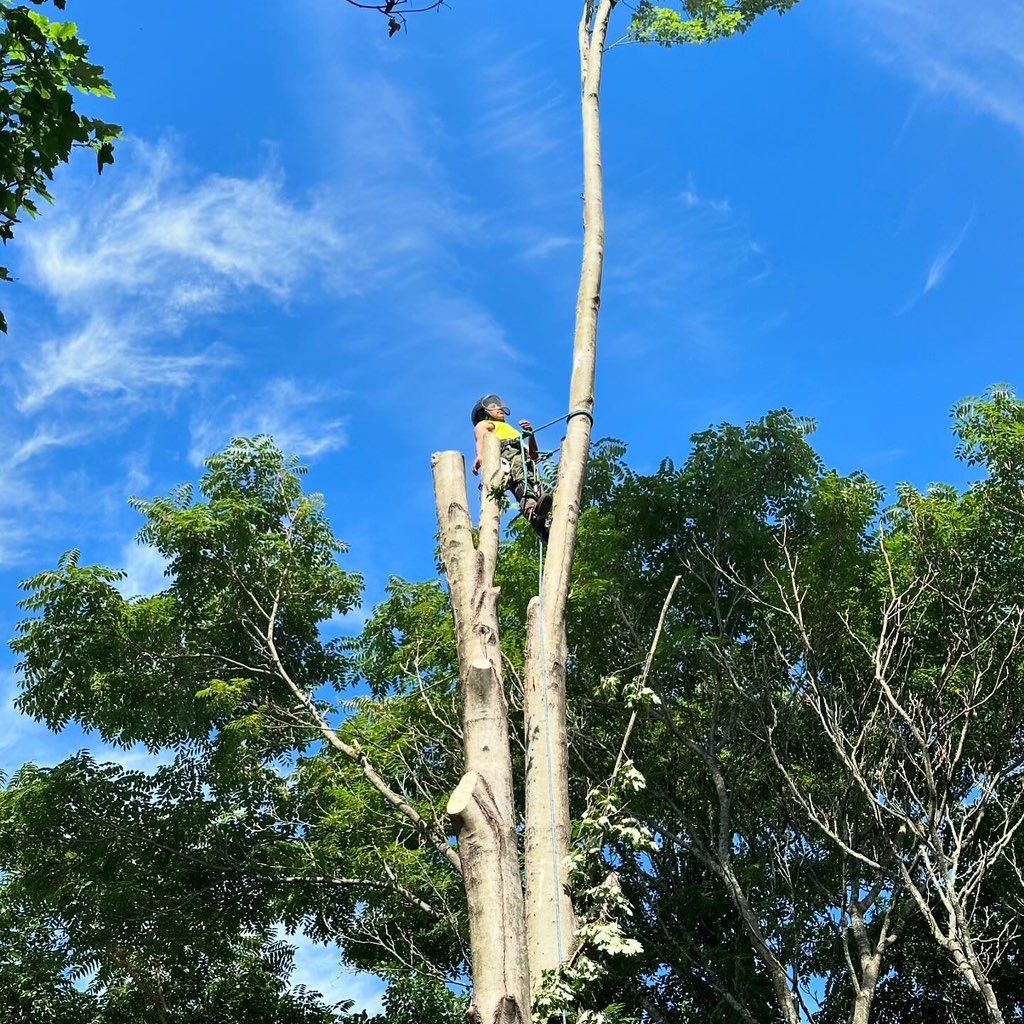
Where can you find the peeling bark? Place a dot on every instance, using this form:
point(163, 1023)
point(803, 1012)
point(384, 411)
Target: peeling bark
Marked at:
point(490, 870)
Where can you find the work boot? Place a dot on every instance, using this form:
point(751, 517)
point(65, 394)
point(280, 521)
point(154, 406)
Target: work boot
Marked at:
point(537, 511)
point(542, 509)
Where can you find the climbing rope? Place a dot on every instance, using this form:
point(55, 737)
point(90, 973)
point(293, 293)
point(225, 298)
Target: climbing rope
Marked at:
point(537, 478)
point(568, 416)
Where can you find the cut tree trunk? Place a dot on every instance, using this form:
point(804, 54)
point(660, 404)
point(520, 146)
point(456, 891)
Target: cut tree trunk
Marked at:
point(482, 807)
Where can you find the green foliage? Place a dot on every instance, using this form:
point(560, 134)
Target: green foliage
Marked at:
point(36, 982)
point(158, 894)
point(254, 824)
point(175, 873)
point(180, 667)
point(411, 999)
point(699, 21)
point(43, 63)
point(749, 508)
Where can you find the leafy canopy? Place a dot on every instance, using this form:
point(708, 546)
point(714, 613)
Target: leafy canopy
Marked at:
point(699, 21)
point(255, 824)
point(185, 872)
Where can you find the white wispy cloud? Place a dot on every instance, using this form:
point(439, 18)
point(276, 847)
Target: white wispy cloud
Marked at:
point(42, 439)
point(139, 271)
point(939, 266)
point(683, 257)
point(106, 357)
point(133, 271)
point(13, 537)
point(44, 491)
point(25, 502)
point(974, 54)
point(694, 200)
point(937, 271)
point(189, 245)
point(524, 114)
point(548, 244)
point(699, 244)
point(302, 419)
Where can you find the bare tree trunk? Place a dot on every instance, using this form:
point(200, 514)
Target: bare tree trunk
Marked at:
point(511, 952)
point(482, 807)
point(908, 755)
point(870, 950)
point(550, 919)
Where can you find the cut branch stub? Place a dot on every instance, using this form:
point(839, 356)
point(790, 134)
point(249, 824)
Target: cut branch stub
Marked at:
point(490, 871)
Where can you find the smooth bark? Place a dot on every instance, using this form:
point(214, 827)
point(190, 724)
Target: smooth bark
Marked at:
point(482, 807)
point(550, 919)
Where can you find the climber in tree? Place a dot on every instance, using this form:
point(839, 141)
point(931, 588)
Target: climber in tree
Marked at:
point(519, 457)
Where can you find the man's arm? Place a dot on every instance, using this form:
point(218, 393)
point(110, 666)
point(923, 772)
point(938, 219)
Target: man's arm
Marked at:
point(480, 431)
point(531, 449)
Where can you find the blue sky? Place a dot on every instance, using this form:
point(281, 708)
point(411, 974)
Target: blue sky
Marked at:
point(342, 240)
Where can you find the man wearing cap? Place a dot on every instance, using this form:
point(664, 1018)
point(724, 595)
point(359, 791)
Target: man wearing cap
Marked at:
point(517, 460)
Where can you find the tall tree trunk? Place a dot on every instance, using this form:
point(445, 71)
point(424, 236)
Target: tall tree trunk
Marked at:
point(550, 919)
point(511, 951)
point(482, 807)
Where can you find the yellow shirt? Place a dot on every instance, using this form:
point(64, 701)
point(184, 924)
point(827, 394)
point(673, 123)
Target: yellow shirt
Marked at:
point(504, 431)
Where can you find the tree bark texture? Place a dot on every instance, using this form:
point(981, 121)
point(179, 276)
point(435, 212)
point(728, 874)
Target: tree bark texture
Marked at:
point(550, 919)
point(481, 807)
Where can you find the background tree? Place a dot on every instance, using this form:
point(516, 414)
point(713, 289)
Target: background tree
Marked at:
point(163, 875)
point(43, 62)
point(259, 823)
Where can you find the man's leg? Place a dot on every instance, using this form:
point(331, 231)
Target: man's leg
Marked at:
point(516, 479)
point(535, 505)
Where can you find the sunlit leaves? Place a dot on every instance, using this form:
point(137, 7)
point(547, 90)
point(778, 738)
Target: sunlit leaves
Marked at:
point(253, 824)
point(177, 667)
point(126, 893)
point(698, 21)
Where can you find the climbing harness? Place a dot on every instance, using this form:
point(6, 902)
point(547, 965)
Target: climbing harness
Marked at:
point(535, 481)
